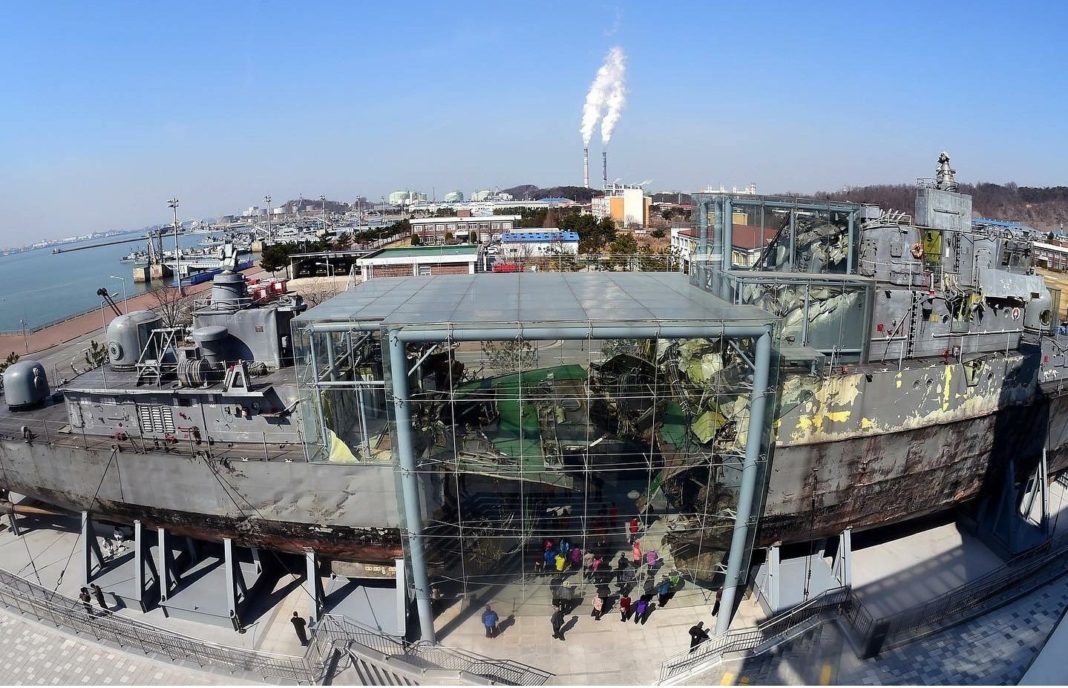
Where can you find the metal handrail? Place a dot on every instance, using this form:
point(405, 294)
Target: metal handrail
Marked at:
point(1020, 575)
point(62, 611)
point(766, 635)
point(329, 635)
point(415, 659)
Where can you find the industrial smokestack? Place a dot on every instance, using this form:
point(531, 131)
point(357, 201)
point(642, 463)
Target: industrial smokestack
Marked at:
point(586, 167)
point(604, 167)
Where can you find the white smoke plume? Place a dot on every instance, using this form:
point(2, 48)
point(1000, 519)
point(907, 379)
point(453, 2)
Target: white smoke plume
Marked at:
point(606, 89)
point(617, 97)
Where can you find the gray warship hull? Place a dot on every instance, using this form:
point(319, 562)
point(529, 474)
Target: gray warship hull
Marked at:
point(344, 512)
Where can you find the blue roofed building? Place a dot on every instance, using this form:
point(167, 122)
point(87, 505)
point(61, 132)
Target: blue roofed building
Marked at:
point(540, 242)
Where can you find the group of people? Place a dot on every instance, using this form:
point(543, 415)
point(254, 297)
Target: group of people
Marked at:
point(86, 598)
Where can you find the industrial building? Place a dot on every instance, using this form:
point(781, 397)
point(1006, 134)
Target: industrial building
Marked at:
point(419, 261)
point(545, 242)
point(437, 230)
point(626, 204)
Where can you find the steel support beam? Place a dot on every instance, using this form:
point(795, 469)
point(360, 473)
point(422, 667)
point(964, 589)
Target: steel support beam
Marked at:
point(231, 578)
point(843, 561)
point(90, 549)
point(402, 590)
point(750, 472)
point(582, 331)
point(164, 565)
point(728, 236)
point(849, 256)
point(398, 369)
point(315, 588)
point(139, 564)
point(771, 591)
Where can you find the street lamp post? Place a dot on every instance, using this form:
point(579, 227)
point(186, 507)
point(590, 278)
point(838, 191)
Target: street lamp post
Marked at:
point(173, 205)
point(268, 199)
point(125, 308)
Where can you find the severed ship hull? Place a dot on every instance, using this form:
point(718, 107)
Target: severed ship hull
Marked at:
point(917, 363)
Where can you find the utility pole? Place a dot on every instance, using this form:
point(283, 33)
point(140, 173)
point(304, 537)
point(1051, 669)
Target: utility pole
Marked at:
point(173, 205)
point(268, 199)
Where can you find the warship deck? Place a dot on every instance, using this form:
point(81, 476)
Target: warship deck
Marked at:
point(50, 423)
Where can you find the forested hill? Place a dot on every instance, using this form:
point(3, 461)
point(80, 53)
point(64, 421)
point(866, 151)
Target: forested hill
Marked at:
point(1044, 208)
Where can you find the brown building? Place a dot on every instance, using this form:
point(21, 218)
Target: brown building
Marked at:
point(432, 231)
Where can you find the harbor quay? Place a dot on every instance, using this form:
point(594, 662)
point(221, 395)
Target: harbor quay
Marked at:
point(42, 339)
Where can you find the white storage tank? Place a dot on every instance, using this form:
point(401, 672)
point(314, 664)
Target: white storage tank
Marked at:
point(127, 336)
point(25, 384)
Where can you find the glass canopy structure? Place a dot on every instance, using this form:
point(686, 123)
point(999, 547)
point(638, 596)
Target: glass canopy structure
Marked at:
point(532, 415)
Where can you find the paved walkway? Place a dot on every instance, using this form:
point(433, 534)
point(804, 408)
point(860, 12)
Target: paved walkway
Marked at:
point(993, 649)
point(35, 654)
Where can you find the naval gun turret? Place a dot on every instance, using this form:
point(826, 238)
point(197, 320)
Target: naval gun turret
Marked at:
point(236, 326)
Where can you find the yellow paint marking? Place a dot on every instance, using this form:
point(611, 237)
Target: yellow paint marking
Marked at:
point(727, 680)
point(866, 424)
point(825, 675)
point(946, 387)
point(897, 380)
point(743, 681)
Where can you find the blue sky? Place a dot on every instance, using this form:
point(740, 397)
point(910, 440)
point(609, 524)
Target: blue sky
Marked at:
point(109, 108)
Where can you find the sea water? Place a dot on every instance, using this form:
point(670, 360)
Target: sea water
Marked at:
point(39, 287)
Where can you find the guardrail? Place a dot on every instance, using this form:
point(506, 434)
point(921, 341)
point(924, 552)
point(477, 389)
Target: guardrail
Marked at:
point(870, 635)
point(331, 636)
point(420, 660)
point(1015, 579)
point(588, 262)
point(61, 611)
point(772, 632)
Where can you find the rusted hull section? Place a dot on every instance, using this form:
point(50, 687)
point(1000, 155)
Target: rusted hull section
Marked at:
point(863, 480)
point(369, 546)
point(346, 513)
point(871, 482)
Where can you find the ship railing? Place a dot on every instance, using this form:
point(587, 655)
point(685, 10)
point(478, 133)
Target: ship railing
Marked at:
point(64, 612)
point(778, 629)
point(421, 661)
point(261, 446)
point(223, 304)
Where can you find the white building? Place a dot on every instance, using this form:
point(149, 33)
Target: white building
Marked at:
point(684, 245)
point(537, 243)
point(626, 204)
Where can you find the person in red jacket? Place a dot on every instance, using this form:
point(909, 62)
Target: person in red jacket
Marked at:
point(624, 607)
